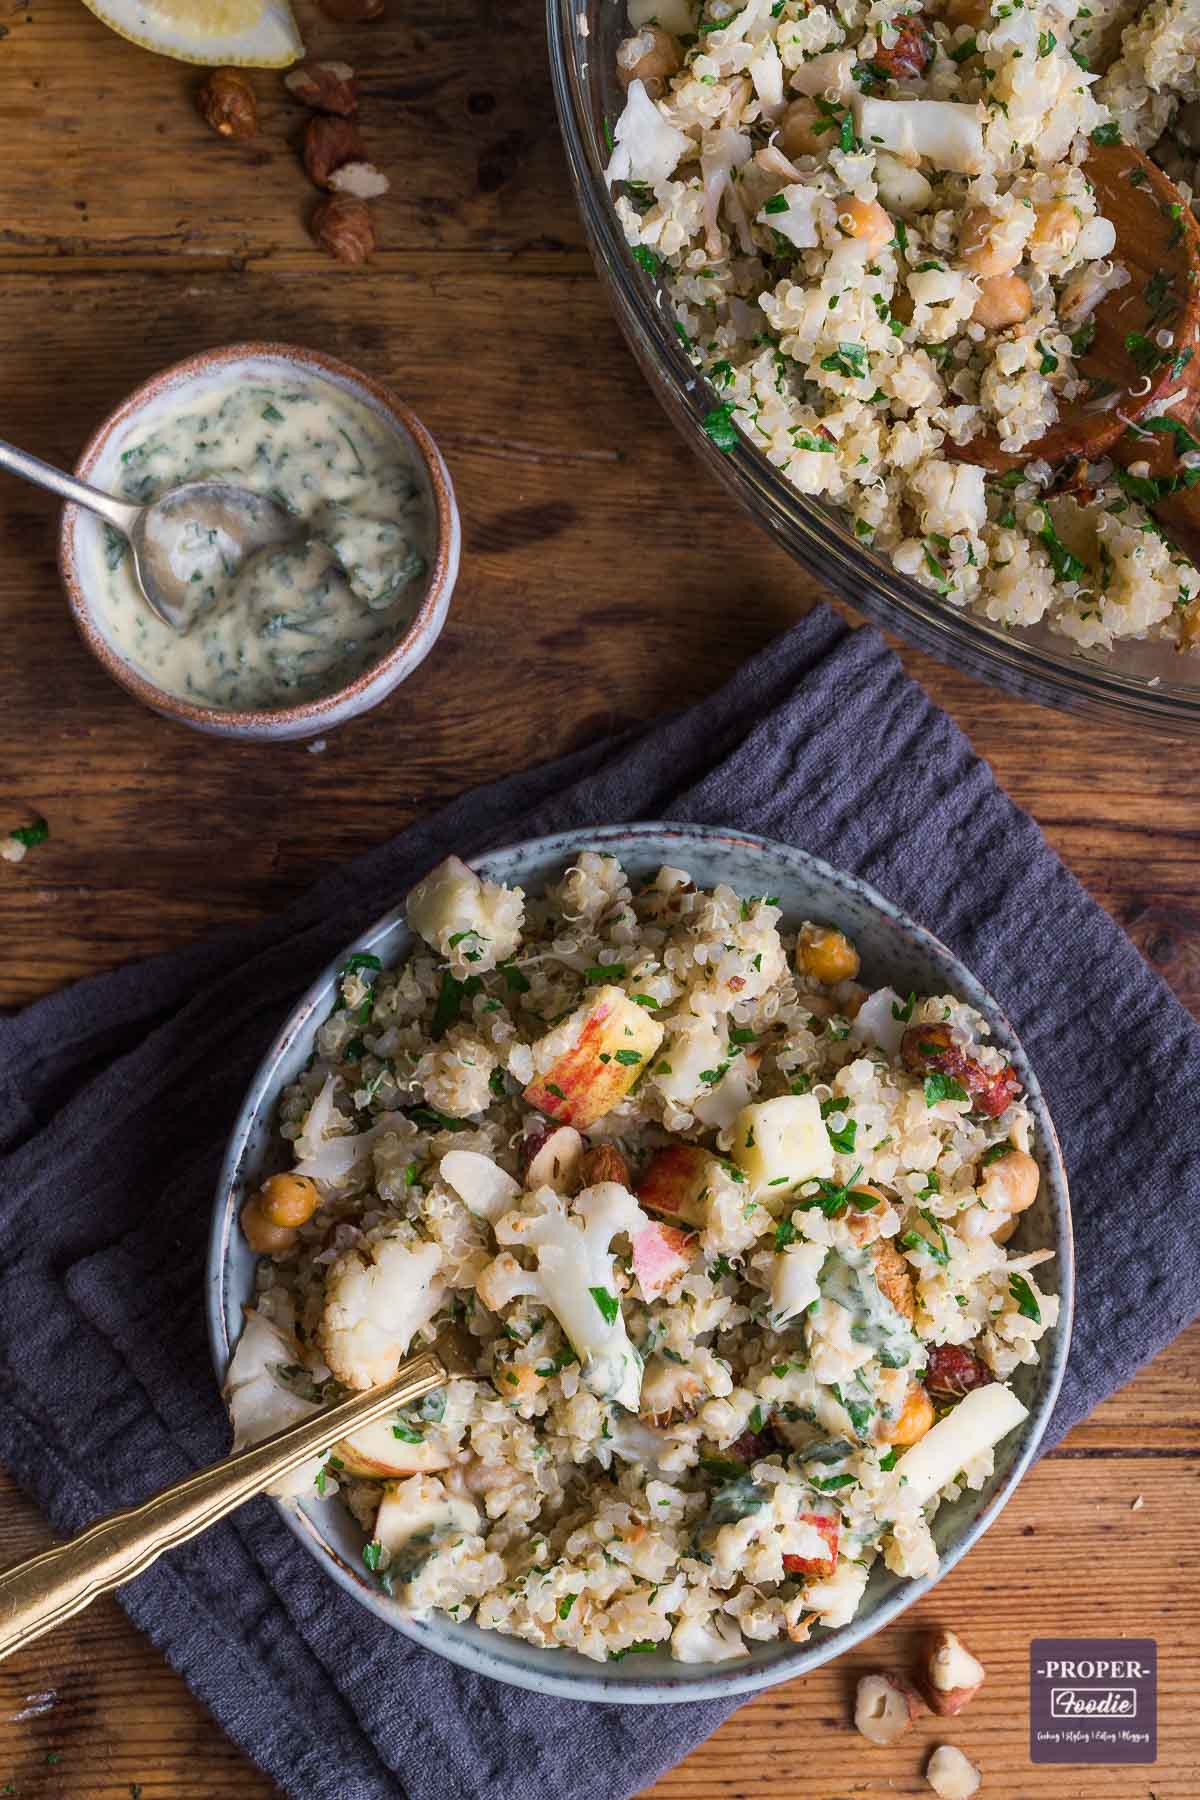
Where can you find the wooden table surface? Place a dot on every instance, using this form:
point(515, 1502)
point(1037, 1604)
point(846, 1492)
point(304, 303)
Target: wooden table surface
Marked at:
point(604, 578)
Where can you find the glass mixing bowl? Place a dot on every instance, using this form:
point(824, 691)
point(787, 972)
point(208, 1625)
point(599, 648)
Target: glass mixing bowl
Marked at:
point(1149, 683)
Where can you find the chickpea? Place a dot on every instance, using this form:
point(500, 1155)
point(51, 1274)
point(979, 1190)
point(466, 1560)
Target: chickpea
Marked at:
point(264, 1238)
point(979, 251)
point(1058, 227)
point(651, 56)
point(1010, 1184)
point(975, 13)
point(866, 222)
point(1003, 300)
point(915, 1419)
point(798, 134)
point(827, 955)
point(289, 1200)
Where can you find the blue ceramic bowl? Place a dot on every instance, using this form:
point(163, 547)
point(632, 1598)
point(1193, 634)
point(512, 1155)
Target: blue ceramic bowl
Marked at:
point(894, 950)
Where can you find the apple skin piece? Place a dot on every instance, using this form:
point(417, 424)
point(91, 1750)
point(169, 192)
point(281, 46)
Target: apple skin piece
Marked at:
point(816, 1565)
point(377, 1452)
point(782, 1143)
point(613, 1040)
point(675, 1181)
point(661, 1254)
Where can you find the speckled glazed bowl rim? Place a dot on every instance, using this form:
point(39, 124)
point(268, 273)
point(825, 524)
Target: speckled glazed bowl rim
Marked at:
point(373, 683)
point(563, 1672)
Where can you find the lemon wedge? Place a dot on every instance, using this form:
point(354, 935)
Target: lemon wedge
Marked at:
point(261, 34)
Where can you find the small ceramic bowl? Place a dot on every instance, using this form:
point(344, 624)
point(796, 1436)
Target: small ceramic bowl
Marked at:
point(81, 536)
point(894, 950)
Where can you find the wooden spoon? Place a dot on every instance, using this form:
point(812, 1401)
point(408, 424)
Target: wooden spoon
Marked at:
point(1132, 376)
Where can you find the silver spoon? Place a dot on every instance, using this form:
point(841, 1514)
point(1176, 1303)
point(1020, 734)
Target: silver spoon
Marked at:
point(196, 529)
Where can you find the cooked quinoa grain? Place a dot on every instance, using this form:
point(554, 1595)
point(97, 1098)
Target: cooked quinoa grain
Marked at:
point(710, 1244)
point(880, 242)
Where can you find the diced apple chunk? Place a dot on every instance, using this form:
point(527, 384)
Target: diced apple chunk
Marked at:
point(661, 1254)
point(677, 1181)
point(376, 1452)
point(815, 1559)
point(607, 1043)
point(782, 1143)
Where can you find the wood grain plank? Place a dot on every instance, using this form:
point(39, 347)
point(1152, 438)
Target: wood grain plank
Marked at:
point(107, 153)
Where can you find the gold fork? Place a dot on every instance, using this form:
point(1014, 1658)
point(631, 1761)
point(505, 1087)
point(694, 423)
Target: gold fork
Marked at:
point(40, 1593)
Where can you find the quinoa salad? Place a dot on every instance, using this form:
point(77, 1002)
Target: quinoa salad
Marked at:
point(879, 242)
point(709, 1236)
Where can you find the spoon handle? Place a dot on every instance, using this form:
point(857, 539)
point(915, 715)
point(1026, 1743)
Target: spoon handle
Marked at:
point(47, 1589)
point(31, 468)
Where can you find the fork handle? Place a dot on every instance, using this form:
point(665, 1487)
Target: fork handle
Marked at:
point(42, 1592)
point(119, 513)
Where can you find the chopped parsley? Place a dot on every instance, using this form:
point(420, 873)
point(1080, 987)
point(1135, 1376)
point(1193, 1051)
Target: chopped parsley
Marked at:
point(935, 1247)
point(565, 1605)
point(608, 1303)
point(1025, 1298)
point(37, 833)
point(1065, 564)
point(604, 972)
point(646, 258)
point(851, 360)
point(451, 995)
point(437, 1121)
point(514, 981)
point(994, 1152)
point(373, 1555)
point(785, 1234)
point(719, 426)
point(1107, 134)
point(943, 1087)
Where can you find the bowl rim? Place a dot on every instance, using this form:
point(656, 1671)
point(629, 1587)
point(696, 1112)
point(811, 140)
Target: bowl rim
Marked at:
point(326, 710)
point(477, 1652)
point(815, 536)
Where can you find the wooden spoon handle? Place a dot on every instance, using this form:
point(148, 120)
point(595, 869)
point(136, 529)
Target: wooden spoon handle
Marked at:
point(40, 1593)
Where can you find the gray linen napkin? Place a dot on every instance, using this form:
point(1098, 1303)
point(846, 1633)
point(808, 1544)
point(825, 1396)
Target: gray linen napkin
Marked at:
point(116, 1095)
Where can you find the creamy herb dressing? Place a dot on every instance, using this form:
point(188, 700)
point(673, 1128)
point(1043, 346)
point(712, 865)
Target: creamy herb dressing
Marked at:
point(848, 1279)
point(291, 621)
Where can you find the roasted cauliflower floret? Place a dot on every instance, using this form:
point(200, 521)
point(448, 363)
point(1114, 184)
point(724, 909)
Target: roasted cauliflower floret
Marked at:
point(377, 1296)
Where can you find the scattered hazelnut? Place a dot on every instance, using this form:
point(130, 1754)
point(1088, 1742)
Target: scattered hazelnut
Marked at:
point(226, 101)
point(362, 179)
point(885, 1707)
point(950, 1775)
point(952, 1676)
point(603, 1163)
point(327, 87)
point(352, 12)
point(953, 1371)
point(343, 227)
point(328, 143)
point(552, 1158)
